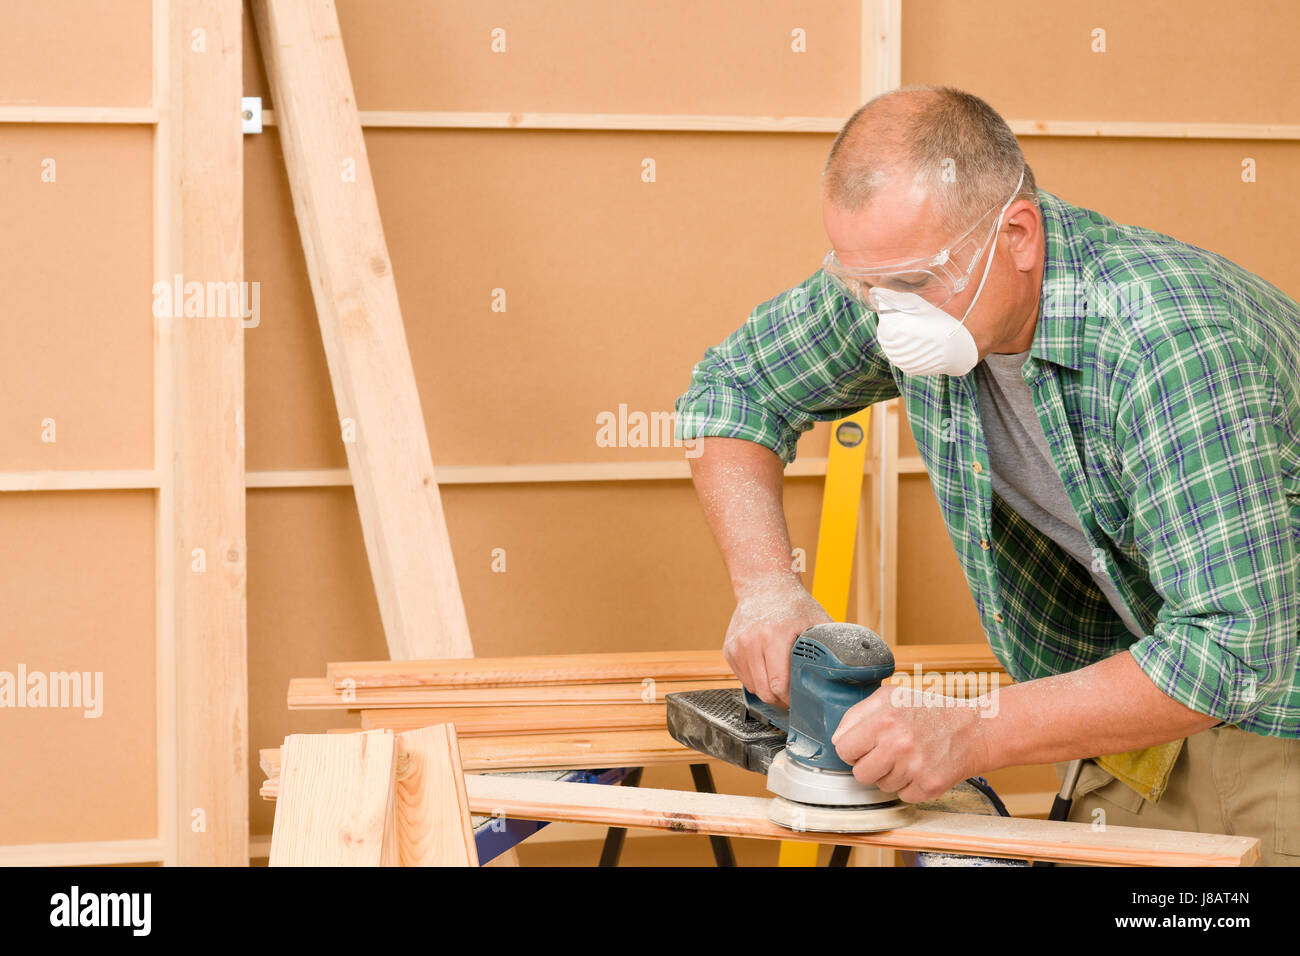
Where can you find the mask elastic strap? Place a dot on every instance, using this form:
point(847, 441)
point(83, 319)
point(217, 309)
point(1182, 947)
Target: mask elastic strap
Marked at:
point(988, 265)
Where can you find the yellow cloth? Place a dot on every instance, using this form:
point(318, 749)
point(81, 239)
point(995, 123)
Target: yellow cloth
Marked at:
point(1146, 772)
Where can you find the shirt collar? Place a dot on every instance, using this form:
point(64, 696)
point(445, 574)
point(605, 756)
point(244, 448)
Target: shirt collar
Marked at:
point(1059, 335)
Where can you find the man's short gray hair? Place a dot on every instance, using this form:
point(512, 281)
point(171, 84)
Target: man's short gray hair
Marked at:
point(952, 142)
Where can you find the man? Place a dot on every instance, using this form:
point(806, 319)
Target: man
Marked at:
point(1109, 419)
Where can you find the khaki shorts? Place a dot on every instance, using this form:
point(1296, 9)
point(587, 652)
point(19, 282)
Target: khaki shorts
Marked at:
point(1225, 780)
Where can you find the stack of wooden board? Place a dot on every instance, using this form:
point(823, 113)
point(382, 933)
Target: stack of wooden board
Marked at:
point(351, 796)
point(570, 711)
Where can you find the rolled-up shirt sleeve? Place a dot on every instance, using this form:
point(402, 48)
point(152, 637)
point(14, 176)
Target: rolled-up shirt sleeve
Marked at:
point(1198, 434)
point(806, 355)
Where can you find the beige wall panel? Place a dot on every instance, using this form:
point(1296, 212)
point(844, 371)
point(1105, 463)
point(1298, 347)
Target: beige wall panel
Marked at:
point(1197, 61)
point(289, 404)
point(571, 56)
point(77, 589)
point(1039, 778)
point(310, 601)
point(1191, 190)
point(76, 53)
point(590, 568)
point(610, 567)
point(614, 287)
point(78, 295)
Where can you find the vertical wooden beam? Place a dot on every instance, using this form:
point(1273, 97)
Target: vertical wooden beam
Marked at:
point(433, 825)
point(200, 379)
point(877, 606)
point(888, 76)
point(361, 326)
point(164, 257)
point(881, 46)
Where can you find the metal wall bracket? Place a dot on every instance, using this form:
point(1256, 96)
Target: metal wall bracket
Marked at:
point(251, 112)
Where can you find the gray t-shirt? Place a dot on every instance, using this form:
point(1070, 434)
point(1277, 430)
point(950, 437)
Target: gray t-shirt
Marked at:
point(1024, 474)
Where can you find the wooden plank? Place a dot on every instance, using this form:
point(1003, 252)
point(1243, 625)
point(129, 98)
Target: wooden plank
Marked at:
point(724, 814)
point(879, 74)
point(337, 802)
point(317, 693)
point(314, 693)
point(881, 60)
point(268, 760)
point(617, 748)
point(124, 479)
point(164, 257)
point(519, 474)
point(128, 115)
point(352, 282)
point(495, 721)
point(537, 670)
point(1152, 130)
point(90, 853)
point(623, 748)
point(621, 667)
point(681, 122)
point(433, 825)
point(947, 657)
point(201, 464)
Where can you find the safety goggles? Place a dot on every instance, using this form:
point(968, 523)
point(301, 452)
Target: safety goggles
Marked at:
point(936, 279)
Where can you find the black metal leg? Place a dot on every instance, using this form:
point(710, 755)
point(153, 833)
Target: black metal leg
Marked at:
point(722, 851)
point(613, 847)
point(840, 856)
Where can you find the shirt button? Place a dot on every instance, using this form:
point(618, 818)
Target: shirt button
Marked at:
point(998, 618)
point(977, 467)
point(984, 543)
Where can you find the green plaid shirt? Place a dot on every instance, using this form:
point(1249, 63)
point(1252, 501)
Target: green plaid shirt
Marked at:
point(1167, 382)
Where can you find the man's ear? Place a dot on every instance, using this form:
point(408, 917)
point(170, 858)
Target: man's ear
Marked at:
point(1024, 234)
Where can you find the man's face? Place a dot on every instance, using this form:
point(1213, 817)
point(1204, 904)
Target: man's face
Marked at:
point(902, 223)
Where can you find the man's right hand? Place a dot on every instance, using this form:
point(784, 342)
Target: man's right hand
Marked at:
point(769, 616)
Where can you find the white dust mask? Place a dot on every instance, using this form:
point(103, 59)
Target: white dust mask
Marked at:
point(922, 339)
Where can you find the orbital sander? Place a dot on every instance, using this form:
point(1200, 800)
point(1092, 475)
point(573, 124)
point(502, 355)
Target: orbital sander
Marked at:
point(832, 667)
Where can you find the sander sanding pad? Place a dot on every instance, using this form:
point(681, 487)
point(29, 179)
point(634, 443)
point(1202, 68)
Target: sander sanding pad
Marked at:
point(866, 819)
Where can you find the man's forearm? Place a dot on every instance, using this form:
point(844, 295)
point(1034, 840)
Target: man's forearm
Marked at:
point(739, 484)
point(1105, 708)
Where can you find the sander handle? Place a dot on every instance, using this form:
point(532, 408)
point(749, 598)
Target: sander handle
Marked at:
point(775, 715)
